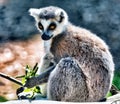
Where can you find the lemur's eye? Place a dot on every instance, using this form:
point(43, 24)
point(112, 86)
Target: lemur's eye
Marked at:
point(52, 26)
point(40, 26)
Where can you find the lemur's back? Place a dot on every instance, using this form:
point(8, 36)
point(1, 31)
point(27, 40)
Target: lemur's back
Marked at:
point(91, 53)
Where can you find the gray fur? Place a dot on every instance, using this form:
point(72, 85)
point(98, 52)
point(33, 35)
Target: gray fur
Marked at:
point(84, 66)
point(67, 82)
point(48, 13)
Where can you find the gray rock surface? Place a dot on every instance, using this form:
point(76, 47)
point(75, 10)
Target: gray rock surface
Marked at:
point(115, 99)
point(49, 102)
point(100, 16)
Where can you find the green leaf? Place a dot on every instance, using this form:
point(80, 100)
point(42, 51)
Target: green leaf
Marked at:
point(3, 99)
point(31, 72)
point(37, 89)
point(116, 79)
point(108, 94)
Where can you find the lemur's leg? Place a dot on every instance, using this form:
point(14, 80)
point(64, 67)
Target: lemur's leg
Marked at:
point(67, 82)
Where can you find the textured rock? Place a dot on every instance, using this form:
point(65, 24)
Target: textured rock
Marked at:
point(100, 16)
point(111, 100)
point(49, 102)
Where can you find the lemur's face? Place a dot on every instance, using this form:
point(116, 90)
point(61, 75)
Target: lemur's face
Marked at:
point(50, 21)
point(49, 28)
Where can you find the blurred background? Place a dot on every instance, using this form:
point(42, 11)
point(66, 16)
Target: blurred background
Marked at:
point(20, 43)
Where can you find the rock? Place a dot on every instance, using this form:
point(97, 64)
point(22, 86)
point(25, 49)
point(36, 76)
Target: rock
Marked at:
point(49, 102)
point(114, 98)
point(111, 100)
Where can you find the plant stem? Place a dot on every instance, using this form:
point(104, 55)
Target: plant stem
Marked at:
point(11, 79)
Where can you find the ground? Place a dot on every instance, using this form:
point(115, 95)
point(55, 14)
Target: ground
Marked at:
point(14, 56)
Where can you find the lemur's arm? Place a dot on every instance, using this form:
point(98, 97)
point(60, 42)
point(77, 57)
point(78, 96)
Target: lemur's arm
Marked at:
point(42, 78)
point(46, 61)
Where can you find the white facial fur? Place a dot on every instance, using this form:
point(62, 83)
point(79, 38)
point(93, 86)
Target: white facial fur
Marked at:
point(60, 27)
point(44, 23)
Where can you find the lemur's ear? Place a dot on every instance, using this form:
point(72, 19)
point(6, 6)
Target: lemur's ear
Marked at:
point(34, 12)
point(61, 15)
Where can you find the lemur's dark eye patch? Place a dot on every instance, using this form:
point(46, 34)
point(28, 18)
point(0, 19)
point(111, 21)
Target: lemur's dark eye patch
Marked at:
point(40, 26)
point(52, 26)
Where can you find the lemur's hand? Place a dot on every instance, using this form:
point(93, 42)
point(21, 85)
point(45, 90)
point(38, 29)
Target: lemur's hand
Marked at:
point(42, 78)
point(30, 82)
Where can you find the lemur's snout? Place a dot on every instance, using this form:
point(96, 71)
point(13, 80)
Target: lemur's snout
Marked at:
point(46, 36)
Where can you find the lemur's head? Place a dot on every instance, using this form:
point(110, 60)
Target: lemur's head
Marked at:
point(50, 21)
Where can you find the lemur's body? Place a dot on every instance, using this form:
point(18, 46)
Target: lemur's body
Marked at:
point(84, 65)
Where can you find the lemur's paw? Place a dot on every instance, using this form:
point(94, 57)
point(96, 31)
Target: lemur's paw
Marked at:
point(30, 82)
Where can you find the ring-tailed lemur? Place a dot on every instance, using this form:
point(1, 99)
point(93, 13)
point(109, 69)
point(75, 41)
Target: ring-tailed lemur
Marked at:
point(82, 64)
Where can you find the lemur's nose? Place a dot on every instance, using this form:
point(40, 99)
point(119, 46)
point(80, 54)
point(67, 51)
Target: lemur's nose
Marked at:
point(46, 36)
